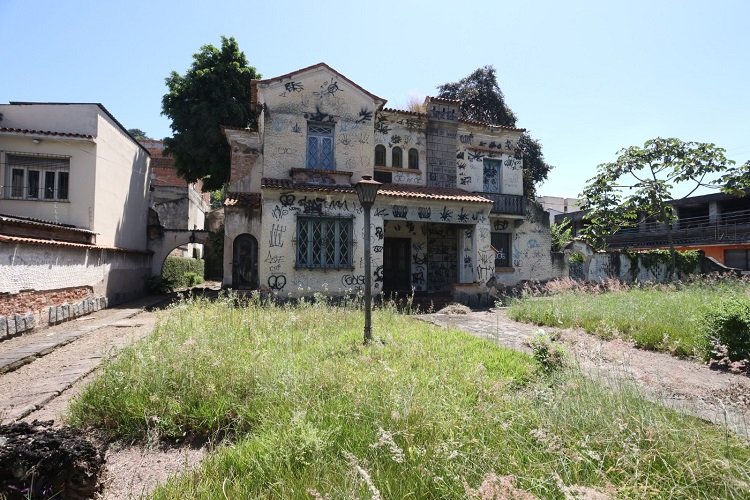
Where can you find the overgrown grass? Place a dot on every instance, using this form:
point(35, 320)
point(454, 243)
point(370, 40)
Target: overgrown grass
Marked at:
point(657, 317)
point(427, 413)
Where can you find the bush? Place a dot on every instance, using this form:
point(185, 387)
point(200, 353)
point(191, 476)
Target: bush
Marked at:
point(179, 272)
point(548, 354)
point(727, 326)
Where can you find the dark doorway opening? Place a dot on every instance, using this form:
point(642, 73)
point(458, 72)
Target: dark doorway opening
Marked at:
point(397, 265)
point(245, 262)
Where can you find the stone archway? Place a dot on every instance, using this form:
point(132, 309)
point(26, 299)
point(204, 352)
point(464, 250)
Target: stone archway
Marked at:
point(163, 241)
point(245, 262)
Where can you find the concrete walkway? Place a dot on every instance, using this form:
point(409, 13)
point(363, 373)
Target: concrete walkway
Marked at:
point(39, 366)
point(682, 384)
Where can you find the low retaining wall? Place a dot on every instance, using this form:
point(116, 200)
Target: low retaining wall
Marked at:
point(43, 283)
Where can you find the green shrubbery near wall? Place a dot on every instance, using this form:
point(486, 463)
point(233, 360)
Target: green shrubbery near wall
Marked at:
point(179, 272)
point(727, 327)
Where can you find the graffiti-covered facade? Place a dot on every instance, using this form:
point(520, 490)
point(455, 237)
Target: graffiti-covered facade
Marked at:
point(449, 218)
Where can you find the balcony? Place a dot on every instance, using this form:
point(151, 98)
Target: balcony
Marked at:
point(729, 227)
point(506, 204)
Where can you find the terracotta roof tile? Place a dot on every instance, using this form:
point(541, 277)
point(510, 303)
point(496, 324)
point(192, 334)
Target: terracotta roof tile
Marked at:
point(404, 111)
point(13, 130)
point(443, 99)
point(38, 241)
point(485, 124)
point(431, 193)
point(242, 200)
point(395, 190)
point(30, 221)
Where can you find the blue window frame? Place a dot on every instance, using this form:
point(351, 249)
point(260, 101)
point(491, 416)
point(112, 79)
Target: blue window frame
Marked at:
point(320, 146)
point(324, 242)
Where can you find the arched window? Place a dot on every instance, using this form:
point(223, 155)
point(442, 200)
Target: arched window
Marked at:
point(397, 158)
point(413, 158)
point(380, 155)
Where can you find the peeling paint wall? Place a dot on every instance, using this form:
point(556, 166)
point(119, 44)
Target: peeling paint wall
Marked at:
point(316, 96)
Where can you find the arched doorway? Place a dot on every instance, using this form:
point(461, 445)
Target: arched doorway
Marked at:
point(245, 262)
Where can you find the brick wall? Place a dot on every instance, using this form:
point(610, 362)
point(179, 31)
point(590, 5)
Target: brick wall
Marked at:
point(35, 301)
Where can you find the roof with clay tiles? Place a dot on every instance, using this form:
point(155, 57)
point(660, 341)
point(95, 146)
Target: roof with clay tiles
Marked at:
point(394, 190)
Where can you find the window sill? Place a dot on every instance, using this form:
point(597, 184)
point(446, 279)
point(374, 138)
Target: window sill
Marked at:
point(404, 170)
point(505, 269)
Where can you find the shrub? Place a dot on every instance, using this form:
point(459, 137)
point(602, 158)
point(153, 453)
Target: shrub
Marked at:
point(179, 272)
point(548, 354)
point(727, 324)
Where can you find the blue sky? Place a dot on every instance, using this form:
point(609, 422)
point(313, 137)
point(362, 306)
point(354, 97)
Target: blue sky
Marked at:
point(587, 78)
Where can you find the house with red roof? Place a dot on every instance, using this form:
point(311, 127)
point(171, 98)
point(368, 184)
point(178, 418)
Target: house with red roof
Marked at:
point(449, 217)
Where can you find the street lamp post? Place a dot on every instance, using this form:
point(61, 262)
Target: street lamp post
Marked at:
point(367, 190)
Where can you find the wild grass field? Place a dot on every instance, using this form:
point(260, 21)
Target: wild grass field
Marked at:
point(656, 317)
point(300, 408)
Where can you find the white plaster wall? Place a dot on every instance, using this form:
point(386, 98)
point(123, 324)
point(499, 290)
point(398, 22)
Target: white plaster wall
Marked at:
point(531, 258)
point(238, 221)
point(277, 255)
point(71, 118)
point(476, 143)
point(79, 209)
point(405, 131)
point(317, 96)
point(121, 188)
point(42, 267)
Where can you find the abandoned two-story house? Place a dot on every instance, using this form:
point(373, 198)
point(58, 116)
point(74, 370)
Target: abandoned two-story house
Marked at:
point(449, 217)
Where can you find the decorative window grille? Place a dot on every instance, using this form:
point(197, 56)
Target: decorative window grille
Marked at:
point(34, 177)
point(324, 242)
point(320, 146)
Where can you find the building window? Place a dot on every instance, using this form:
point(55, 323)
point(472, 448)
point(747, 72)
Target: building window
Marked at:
point(501, 244)
point(397, 158)
point(413, 158)
point(324, 242)
point(380, 155)
point(492, 175)
point(320, 146)
point(37, 177)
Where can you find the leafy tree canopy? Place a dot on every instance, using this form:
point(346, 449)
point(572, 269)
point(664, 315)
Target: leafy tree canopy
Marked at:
point(637, 186)
point(482, 100)
point(138, 134)
point(215, 91)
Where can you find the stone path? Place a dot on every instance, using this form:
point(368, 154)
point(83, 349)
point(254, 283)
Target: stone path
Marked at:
point(38, 366)
point(685, 385)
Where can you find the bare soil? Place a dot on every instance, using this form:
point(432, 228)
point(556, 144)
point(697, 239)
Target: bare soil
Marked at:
point(683, 384)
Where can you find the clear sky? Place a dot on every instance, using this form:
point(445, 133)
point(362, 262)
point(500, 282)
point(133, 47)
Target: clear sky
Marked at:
point(587, 78)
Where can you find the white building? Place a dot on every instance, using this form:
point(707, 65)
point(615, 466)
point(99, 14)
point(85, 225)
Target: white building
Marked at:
point(449, 218)
point(73, 207)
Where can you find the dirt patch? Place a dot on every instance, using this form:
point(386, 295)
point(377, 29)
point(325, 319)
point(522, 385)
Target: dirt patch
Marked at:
point(39, 461)
point(683, 384)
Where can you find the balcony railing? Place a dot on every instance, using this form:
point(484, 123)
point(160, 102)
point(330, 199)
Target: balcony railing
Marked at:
point(508, 204)
point(728, 227)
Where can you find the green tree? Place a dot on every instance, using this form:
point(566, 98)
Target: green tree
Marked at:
point(561, 233)
point(138, 134)
point(637, 187)
point(215, 91)
point(482, 100)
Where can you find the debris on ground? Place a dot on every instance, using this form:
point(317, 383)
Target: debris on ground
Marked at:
point(41, 461)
